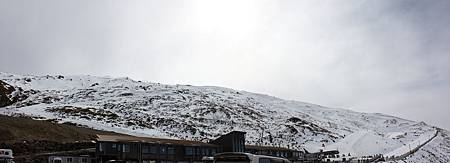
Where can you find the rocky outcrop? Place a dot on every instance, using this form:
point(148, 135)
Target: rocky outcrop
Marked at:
point(10, 94)
point(6, 91)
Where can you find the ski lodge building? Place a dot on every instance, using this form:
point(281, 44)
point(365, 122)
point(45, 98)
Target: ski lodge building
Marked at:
point(156, 150)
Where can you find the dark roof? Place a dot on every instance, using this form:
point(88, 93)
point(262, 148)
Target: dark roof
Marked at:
point(331, 152)
point(267, 148)
point(129, 138)
point(220, 138)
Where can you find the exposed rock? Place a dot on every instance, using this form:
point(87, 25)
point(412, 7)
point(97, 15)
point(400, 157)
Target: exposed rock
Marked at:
point(6, 91)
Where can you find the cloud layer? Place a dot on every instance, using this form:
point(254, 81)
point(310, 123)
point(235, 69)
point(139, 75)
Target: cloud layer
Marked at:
point(372, 56)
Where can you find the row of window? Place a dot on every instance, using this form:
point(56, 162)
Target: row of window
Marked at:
point(279, 154)
point(70, 159)
point(152, 149)
point(275, 153)
point(190, 151)
point(162, 149)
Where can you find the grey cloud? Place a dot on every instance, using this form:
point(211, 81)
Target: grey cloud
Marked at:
point(373, 56)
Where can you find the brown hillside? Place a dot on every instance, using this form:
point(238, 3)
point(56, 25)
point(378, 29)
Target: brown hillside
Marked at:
point(29, 137)
point(14, 129)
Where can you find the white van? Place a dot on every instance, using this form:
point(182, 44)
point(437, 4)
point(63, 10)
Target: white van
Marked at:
point(236, 157)
point(56, 160)
point(6, 156)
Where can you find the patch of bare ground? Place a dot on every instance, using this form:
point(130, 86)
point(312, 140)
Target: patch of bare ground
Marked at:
point(29, 138)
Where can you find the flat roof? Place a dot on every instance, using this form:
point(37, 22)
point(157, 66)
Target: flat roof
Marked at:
point(151, 140)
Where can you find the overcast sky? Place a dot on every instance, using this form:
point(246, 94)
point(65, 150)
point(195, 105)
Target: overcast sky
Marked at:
point(388, 56)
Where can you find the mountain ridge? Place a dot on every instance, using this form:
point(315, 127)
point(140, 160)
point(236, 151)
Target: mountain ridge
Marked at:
point(203, 113)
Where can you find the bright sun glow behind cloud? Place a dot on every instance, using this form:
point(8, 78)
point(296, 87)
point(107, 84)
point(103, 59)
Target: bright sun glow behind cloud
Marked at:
point(234, 19)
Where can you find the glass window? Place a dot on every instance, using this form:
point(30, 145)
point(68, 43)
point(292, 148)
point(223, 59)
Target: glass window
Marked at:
point(198, 151)
point(232, 158)
point(149, 149)
point(126, 148)
point(264, 160)
point(84, 160)
point(188, 151)
point(171, 150)
point(162, 149)
point(242, 146)
point(145, 149)
point(277, 161)
point(100, 147)
point(153, 149)
point(209, 152)
point(69, 159)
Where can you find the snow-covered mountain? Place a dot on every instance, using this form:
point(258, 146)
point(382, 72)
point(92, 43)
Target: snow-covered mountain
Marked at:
point(202, 113)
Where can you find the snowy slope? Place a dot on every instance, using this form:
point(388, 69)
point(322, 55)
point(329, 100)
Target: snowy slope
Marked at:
point(203, 113)
point(438, 150)
point(363, 143)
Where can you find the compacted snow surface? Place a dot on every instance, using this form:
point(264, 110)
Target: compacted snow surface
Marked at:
point(203, 113)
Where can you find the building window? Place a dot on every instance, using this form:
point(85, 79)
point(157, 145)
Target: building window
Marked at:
point(198, 152)
point(100, 147)
point(203, 151)
point(145, 149)
point(126, 148)
point(114, 146)
point(69, 159)
point(171, 150)
point(149, 149)
point(163, 150)
point(153, 149)
point(84, 160)
point(188, 151)
point(277, 161)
